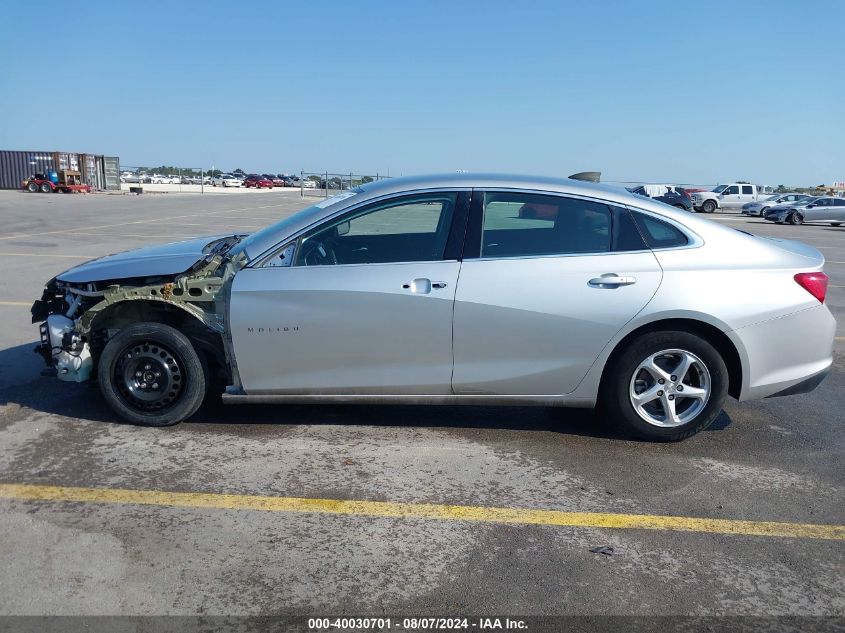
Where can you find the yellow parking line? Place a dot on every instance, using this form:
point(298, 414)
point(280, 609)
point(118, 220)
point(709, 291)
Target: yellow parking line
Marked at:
point(30, 492)
point(48, 255)
point(16, 303)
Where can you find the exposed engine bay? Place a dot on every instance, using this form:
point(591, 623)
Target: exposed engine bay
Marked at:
point(78, 318)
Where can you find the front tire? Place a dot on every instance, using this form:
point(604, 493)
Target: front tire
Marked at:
point(796, 218)
point(709, 206)
point(150, 374)
point(693, 388)
point(45, 188)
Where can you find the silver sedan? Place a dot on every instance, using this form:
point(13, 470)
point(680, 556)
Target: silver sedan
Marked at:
point(454, 289)
point(827, 209)
point(761, 206)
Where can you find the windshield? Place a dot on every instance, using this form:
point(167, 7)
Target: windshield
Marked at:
point(719, 188)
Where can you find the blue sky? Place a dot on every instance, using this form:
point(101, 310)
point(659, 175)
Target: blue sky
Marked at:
point(653, 91)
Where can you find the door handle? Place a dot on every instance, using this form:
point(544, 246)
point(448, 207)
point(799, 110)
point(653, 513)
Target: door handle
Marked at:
point(423, 285)
point(612, 280)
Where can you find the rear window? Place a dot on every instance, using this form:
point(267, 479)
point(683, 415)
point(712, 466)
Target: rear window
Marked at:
point(659, 234)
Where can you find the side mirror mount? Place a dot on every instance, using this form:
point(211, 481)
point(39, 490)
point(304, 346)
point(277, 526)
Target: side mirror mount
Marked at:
point(343, 228)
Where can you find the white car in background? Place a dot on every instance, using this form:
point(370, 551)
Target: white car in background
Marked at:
point(761, 206)
point(309, 184)
point(226, 180)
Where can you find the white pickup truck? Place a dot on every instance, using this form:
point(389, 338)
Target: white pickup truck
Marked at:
point(731, 196)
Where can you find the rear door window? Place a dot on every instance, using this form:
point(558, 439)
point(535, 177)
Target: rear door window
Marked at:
point(525, 225)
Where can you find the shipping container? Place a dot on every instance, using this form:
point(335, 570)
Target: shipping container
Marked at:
point(17, 166)
point(111, 171)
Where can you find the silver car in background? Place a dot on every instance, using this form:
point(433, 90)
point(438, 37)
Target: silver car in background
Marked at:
point(760, 207)
point(456, 289)
point(827, 209)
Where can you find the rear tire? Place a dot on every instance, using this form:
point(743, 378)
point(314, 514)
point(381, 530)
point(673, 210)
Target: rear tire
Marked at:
point(709, 206)
point(150, 374)
point(706, 376)
point(32, 187)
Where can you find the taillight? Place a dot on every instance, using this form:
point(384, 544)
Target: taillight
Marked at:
point(814, 283)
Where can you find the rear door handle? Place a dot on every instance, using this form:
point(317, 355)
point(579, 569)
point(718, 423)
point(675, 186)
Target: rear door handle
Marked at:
point(612, 280)
point(438, 284)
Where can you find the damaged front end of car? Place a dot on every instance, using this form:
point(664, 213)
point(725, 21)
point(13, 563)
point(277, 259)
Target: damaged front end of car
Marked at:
point(77, 318)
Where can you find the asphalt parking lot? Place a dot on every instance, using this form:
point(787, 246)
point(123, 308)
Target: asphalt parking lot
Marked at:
point(217, 550)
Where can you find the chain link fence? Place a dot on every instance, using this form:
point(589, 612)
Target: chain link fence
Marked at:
point(323, 185)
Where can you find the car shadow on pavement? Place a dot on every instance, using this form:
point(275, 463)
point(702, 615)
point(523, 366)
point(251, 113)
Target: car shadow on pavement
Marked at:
point(21, 384)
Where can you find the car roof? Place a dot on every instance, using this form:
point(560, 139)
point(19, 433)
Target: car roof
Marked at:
point(504, 181)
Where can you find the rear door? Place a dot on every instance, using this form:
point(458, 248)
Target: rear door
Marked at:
point(546, 282)
point(362, 304)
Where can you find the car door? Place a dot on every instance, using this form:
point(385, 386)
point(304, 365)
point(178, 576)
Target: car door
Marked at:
point(546, 282)
point(746, 194)
point(819, 211)
point(730, 197)
point(362, 304)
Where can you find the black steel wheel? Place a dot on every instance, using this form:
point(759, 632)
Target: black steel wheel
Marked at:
point(150, 374)
point(45, 188)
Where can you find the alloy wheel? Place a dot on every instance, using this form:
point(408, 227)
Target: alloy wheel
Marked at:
point(670, 388)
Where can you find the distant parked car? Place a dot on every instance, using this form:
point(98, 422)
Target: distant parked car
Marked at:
point(668, 194)
point(309, 184)
point(276, 180)
point(226, 180)
point(761, 206)
point(258, 181)
point(821, 209)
